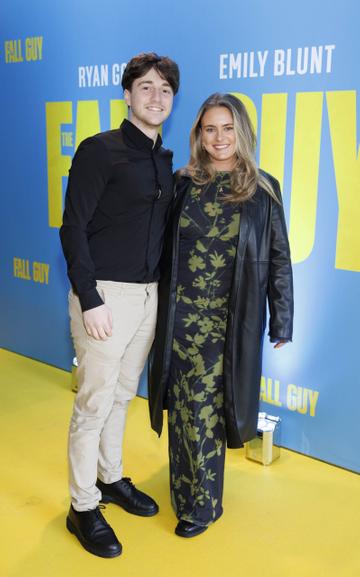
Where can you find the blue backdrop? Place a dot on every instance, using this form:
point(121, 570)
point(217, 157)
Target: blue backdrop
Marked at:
point(296, 67)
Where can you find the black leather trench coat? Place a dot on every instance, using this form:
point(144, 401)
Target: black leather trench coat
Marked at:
point(262, 271)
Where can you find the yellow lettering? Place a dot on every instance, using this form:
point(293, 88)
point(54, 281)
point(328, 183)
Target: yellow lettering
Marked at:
point(291, 397)
point(29, 55)
point(26, 270)
point(268, 393)
point(13, 51)
point(33, 48)
point(46, 273)
point(273, 134)
point(118, 111)
point(87, 120)
point(7, 51)
point(250, 108)
point(313, 399)
point(274, 394)
point(36, 271)
point(305, 172)
point(302, 400)
point(263, 389)
point(41, 272)
point(342, 120)
point(57, 113)
point(39, 47)
point(16, 266)
point(21, 268)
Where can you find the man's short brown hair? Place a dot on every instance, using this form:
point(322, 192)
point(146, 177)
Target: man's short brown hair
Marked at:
point(142, 63)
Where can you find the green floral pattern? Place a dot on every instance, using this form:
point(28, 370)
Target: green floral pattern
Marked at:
point(209, 230)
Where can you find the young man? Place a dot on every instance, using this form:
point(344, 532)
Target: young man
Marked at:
point(118, 196)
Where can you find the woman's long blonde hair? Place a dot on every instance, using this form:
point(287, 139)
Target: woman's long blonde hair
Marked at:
point(245, 175)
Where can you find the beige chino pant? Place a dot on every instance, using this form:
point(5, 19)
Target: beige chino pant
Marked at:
point(108, 377)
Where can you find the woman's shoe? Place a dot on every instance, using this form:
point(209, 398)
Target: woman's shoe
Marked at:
point(187, 529)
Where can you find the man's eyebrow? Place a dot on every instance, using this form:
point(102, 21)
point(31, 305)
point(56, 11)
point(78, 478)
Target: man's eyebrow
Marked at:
point(165, 83)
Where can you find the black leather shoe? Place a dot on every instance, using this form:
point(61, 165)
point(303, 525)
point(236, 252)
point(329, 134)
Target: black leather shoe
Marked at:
point(187, 529)
point(125, 494)
point(93, 532)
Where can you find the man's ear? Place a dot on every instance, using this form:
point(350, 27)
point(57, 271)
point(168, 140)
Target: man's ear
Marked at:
point(127, 96)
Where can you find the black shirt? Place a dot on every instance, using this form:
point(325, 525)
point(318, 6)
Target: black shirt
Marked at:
point(119, 190)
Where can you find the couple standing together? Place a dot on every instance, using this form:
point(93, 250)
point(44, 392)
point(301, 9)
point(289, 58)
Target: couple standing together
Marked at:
point(217, 245)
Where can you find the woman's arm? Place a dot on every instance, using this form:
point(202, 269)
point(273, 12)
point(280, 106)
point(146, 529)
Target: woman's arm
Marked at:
point(280, 285)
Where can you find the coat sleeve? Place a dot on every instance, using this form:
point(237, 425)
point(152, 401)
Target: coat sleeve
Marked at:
point(280, 285)
point(159, 356)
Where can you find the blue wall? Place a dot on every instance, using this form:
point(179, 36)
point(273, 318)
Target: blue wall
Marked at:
point(305, 112)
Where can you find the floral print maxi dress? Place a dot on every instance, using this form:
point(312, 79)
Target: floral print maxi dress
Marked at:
point(209, 230)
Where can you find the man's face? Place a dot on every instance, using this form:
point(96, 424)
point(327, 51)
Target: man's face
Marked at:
point(150, 101)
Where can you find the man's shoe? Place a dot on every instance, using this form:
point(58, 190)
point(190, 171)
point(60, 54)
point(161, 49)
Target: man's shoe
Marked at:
point(125, 494)
point(187, 529)
point(93, 532)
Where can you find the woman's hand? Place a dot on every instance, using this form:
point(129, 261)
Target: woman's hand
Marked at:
point(280, 344)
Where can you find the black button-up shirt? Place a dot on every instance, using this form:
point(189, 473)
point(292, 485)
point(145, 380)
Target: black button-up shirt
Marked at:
point(119, 190)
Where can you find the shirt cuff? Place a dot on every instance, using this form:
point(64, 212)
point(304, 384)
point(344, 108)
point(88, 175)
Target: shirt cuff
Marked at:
point(90, 300)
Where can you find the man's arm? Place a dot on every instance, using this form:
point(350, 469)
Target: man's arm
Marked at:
point(87, 179)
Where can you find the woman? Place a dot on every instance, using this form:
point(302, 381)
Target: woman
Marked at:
point(229, 253)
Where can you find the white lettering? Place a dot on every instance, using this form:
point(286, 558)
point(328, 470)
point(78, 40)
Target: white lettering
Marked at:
point(252, 72)
point(115, 75)
point(245, 64)
point(302, 60)
point(235, 64)
point(104, 74)
point(289, 70)
point(316, 59)
point(223, 66)
point(262, 57)
point(279, 62)
point(286, 62)
point(81, 71)
point(329, 50)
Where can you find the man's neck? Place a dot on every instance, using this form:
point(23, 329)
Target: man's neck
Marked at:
point(149, 131)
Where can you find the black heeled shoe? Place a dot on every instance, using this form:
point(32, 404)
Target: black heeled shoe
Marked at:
point(187, 529)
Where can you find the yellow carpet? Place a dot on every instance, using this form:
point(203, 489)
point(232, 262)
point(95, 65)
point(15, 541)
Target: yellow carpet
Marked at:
point(297, 518)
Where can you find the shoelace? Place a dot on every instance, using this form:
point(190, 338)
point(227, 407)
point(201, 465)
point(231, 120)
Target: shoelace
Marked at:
point(128, 481)
point(99, 513)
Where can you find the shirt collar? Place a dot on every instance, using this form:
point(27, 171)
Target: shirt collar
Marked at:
point(138, 138)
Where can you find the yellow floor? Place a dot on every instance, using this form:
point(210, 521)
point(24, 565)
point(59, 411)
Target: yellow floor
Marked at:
point(297, 518)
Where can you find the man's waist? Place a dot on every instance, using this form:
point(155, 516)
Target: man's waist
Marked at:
point(126, 277)
point(125, 287)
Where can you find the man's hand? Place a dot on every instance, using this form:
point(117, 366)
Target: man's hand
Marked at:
point(98, 322)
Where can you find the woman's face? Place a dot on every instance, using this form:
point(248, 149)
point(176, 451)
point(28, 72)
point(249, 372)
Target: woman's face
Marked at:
point(218, 137)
